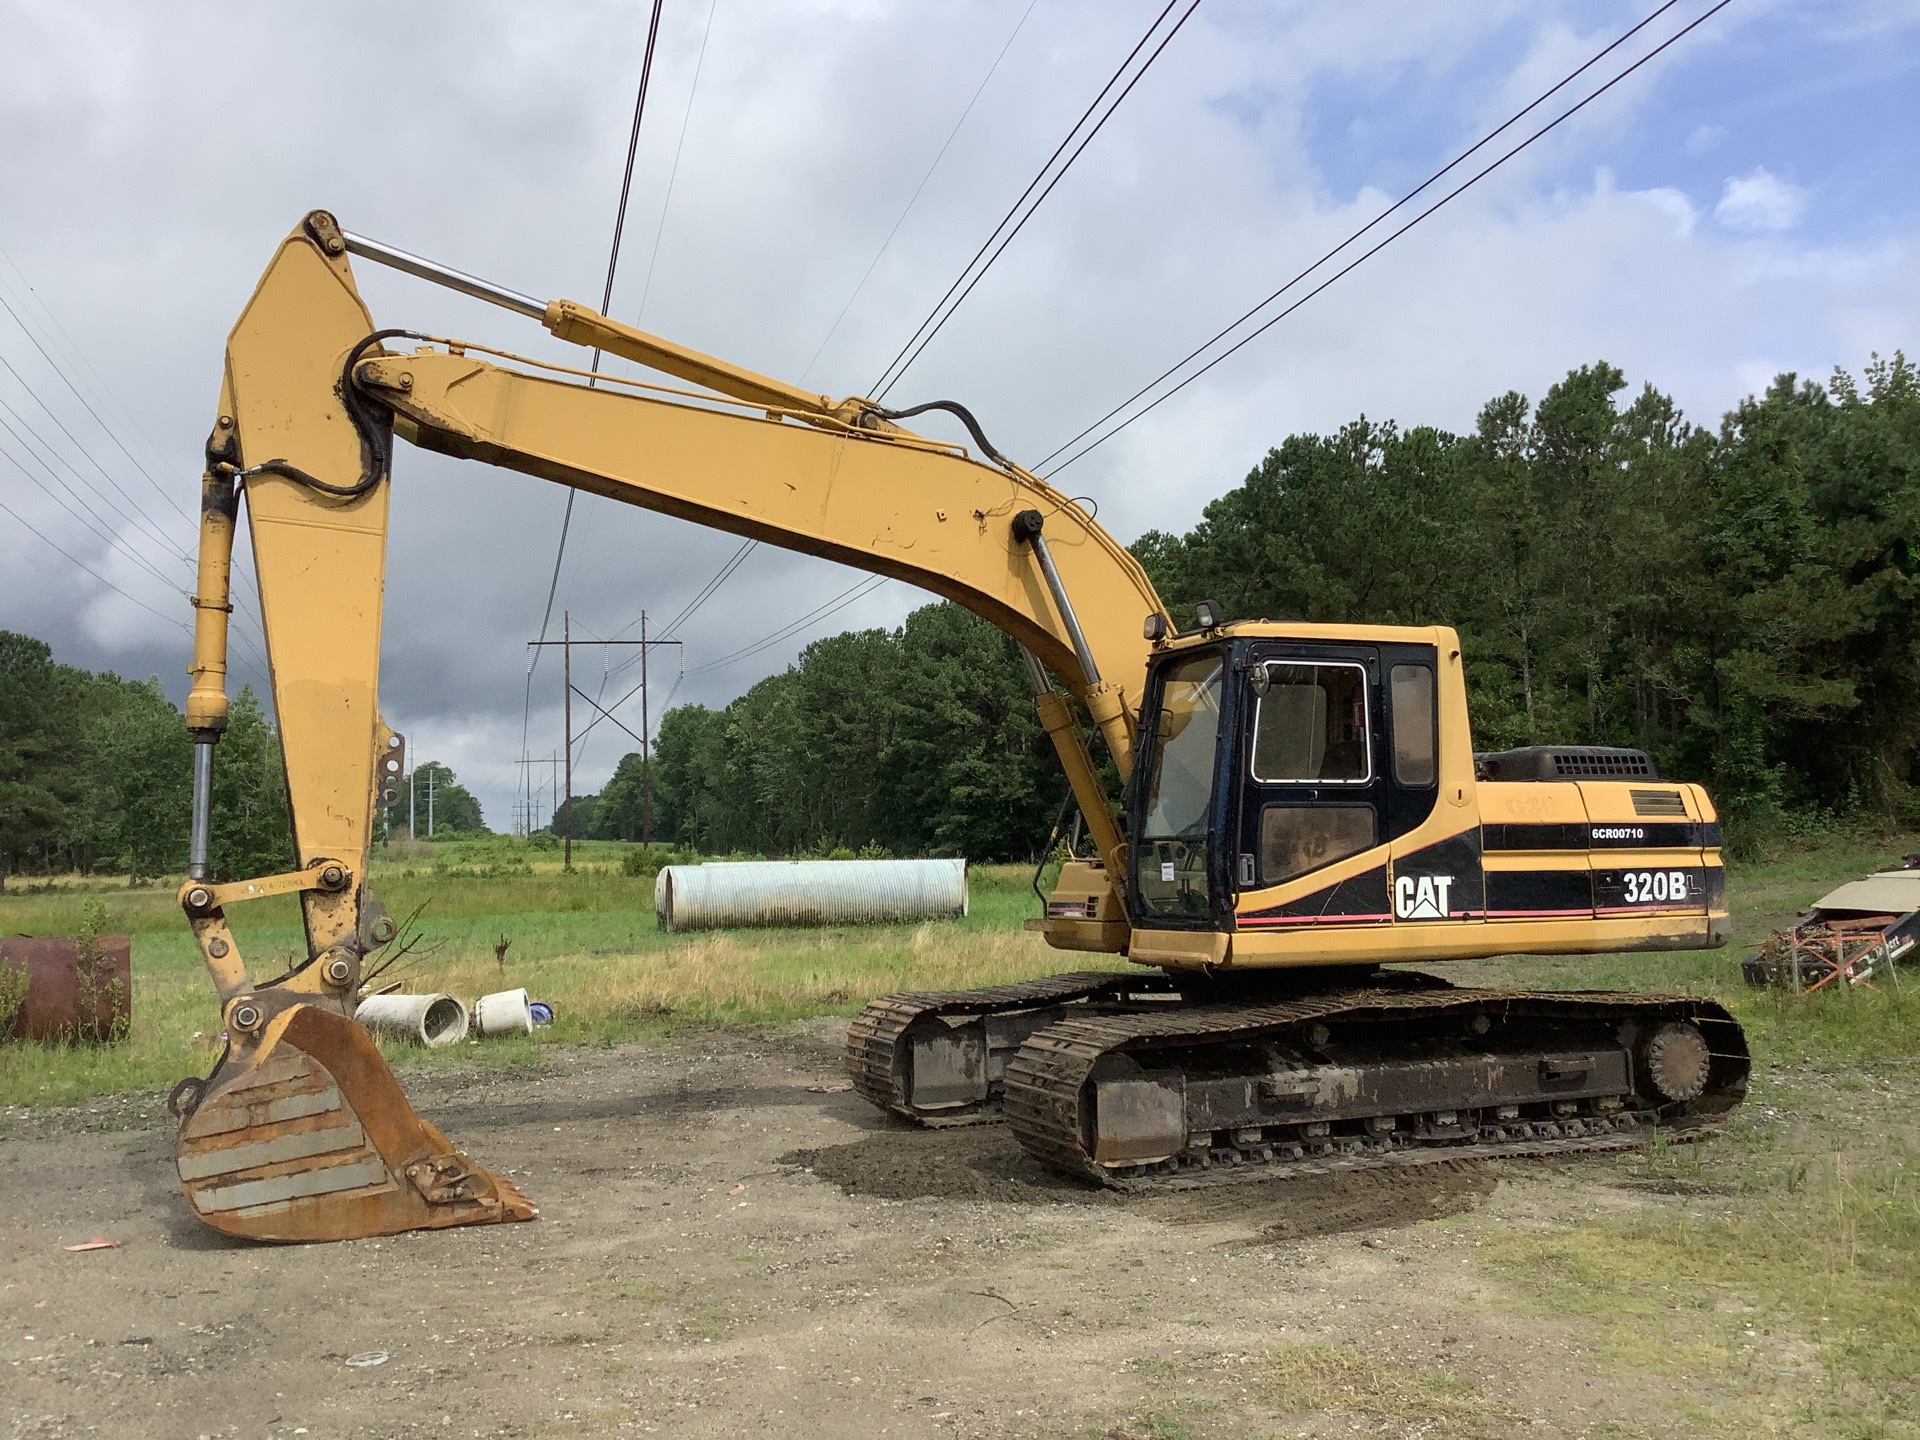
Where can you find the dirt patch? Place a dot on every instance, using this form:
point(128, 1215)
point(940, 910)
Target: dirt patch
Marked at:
point(984, 1162)
point(688, 1277)
point(1337, 1204)
point(972, 1162)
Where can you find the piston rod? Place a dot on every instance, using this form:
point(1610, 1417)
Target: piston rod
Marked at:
point(1026, 525)
point(444, 275)
point(200, 837)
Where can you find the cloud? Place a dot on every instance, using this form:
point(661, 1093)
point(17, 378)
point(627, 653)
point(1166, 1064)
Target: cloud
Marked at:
point(1759, 203)
point(146, 204)
point(1705, 138)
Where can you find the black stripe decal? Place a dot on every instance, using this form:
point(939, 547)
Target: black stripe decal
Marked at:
point(1515, 893)
point(1623, 835)
point(1360, 899)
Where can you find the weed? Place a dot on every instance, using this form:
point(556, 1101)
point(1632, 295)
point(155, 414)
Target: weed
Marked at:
point(710, 1320)
point(643, 1290)
point(1338, 1380)
point(13, 995)
point(1807, 1270)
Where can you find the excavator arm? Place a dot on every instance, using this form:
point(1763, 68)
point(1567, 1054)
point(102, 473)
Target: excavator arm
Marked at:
point(301, 1132)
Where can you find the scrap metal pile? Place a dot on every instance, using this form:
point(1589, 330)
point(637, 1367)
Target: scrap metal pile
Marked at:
point(1855, 935)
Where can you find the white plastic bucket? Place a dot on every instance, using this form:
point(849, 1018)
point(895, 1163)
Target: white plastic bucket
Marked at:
point(505, 1012)
point(430, 1020)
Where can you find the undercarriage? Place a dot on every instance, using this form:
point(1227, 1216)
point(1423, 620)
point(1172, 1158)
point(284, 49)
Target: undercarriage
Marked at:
point(1145, 1080)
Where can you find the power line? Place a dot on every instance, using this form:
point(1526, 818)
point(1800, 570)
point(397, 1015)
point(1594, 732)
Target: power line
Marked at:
point(94, 525)
point(139, 523)
point(29, 297)
point(606, 294)
point(87, 405)
point(674, 174)
point(613, 262)
point(1376, 249)
point(82, 565)
point(76, 441)
point(914, 199)
point(106, 391)
point(858, 591)
point(935, 318)
point(1425, 184)
point(706, 591)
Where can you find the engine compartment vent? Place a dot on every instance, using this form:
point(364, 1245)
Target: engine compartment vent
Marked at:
point(1658, 802)
point(1566, 762)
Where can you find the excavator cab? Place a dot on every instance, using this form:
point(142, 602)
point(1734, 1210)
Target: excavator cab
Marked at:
point(1308, 796)
point(1267, 760)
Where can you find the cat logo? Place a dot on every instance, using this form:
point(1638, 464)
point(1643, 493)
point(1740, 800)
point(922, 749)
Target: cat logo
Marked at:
point(1421, 897)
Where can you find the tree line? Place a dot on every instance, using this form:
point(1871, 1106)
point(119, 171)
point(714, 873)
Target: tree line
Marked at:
point(920, 740)
point(96, 776)
point(1738, 601)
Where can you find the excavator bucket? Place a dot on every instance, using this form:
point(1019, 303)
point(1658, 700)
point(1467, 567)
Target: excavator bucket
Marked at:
point(306, 1135)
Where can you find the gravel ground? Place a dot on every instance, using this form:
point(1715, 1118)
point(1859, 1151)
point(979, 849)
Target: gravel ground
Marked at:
point(722, 1249)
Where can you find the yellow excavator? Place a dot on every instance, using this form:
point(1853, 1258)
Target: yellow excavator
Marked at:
point(1302, 804)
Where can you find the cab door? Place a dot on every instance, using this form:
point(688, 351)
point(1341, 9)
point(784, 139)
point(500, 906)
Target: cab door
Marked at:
point(1312, 788)
point(1338, 758)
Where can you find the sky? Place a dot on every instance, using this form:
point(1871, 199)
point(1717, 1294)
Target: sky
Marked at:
point(811, 176)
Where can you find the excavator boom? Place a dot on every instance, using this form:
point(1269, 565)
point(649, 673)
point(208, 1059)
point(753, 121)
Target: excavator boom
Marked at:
point(301, 1132)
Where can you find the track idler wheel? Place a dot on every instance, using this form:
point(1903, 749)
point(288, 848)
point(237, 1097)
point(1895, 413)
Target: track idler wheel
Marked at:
point(1676, 1060)
point(304, 1134)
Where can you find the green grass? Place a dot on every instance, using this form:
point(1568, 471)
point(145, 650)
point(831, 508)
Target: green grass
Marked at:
point(1781, 1277)
point(586, 942)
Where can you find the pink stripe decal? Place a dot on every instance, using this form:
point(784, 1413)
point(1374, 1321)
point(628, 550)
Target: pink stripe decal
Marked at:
point(1258, 920)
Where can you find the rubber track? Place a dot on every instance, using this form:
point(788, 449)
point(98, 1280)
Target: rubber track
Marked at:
point(874, 1038)
point(1047, 1078)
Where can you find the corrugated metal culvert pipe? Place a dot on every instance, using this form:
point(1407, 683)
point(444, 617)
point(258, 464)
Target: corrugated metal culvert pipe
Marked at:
point(808, 892)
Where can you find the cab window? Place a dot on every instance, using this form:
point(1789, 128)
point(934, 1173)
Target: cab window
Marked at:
point(1310, 726)
point(1295, 839)
point(1172, 858)
point(1414, 758)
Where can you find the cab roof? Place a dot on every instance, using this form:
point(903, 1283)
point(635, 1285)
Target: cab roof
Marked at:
point(1441, 636)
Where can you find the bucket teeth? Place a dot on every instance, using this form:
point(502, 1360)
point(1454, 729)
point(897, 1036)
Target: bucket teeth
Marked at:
point(307, 1136)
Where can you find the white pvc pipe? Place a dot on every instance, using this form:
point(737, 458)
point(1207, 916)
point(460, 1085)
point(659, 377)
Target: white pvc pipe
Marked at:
point(505, 1012)
point(808, 892)
point(430, 1020)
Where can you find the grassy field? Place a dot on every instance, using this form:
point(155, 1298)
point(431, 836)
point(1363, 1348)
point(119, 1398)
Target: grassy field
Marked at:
point(585, 942)
point(1772, 1274)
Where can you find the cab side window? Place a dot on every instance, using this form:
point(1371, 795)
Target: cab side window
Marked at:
point(1296, 839)
point(1415, 748)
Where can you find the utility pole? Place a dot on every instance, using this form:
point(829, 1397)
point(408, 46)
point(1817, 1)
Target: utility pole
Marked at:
point(646, 771)
point(566, 671)
point(530, 814)
point(604, 712)
point(432, 775)
point(412, 833)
